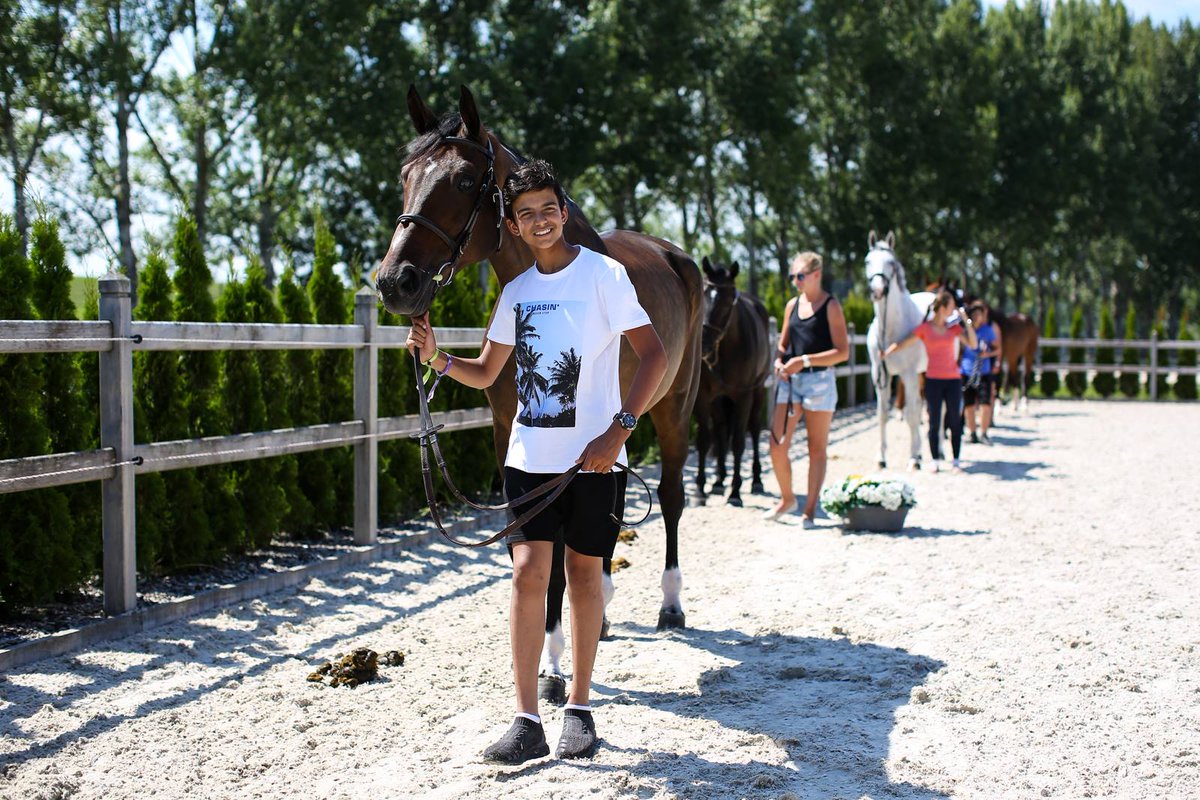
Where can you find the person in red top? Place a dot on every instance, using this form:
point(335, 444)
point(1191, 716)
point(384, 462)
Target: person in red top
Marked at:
point(943, 385)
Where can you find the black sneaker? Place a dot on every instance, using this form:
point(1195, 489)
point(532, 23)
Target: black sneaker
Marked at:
point(975, 438)
point(524, 740)
point(578, 738)
point(986, 440)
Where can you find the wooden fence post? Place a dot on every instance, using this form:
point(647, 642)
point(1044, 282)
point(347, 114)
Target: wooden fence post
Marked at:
point(366, 408)
point(116, 431)
point(852, 386)
point(1153, 365)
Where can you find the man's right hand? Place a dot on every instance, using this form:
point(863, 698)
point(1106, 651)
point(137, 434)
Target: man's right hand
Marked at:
point(421, 337)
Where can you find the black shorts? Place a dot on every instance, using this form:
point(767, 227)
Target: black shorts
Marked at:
point(581, 517)
point(981, 394)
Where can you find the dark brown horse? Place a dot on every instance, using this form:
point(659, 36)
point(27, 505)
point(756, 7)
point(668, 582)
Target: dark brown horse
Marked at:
point(737, 361)
point(451, 178)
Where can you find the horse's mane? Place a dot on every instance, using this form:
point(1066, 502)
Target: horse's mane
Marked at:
point(449, 125)
point(426, 142)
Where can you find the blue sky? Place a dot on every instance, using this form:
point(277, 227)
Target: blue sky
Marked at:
point(1171, 12)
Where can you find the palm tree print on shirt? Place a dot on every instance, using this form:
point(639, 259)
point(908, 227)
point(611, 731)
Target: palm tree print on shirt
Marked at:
point(547, 394)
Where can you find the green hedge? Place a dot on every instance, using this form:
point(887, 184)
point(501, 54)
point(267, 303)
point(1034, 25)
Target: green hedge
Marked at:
point(1185, 385)
point(1130, 381)
point(1104, 381)
point(1049, 380)
point(1076, 381)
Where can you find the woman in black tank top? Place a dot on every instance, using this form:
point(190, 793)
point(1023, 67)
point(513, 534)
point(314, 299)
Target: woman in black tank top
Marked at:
point(812, 340)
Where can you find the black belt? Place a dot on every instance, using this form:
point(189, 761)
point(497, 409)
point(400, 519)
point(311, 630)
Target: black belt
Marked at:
point(814, 369)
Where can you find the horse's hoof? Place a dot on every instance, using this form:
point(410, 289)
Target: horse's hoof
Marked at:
point(670, 620)
point(734, 501)
point(552, 689)
point(701, 500)
point(718, 487)
point(914, 466)
point(604, 629)
point(882, 464)
point(757, 488)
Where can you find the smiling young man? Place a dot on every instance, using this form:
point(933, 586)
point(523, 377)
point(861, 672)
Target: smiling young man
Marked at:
point(564, 317)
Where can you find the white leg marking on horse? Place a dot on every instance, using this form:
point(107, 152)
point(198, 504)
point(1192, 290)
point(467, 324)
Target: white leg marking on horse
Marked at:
point(672, 586)
point(552, 651)
point(607, 589)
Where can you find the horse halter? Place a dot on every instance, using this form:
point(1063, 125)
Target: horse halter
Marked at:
point(487, 187)
point(718, 332)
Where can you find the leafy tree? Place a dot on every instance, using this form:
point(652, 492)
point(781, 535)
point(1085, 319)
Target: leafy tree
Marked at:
point(1185, 385)
point(73, 426)
point(1104, 381)
point(302, 401)
point(199, 381)
point(1050, 355)
point(1160, 328)
point(257, 482)
point(36, 100)
point(34, 561)
point(261, 306)
point(331, 306)
point(1076, 381)
point(1130, 380)
point(175, 531)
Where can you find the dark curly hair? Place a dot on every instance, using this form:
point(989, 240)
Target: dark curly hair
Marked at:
point(530, 177)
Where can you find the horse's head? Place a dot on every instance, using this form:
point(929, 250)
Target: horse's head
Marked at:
point(453, 206)
point(720, 294)
point(882, 266)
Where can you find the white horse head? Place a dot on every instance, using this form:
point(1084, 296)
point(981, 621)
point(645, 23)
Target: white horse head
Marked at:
point(883, 268)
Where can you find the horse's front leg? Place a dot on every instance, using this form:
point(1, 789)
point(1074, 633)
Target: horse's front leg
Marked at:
point(552, 683)
point(721, 433)
point(737, 425)
point(883, 401)
point(755, 427)
point(912, 415)
point(703, 442)
point(673, 439)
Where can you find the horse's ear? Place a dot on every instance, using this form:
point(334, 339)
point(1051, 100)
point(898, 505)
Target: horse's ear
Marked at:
point(470, 114)
point(891, 240)
point(871, 239)
point(707, 266)
point(733, 270)
point(422, 118)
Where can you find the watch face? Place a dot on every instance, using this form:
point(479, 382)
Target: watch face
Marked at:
point(627, 420)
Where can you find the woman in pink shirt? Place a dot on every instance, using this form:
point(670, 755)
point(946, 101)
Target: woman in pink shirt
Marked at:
point(943, 385)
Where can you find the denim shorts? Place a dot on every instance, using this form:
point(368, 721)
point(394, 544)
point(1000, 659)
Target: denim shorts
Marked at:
point(812, 391)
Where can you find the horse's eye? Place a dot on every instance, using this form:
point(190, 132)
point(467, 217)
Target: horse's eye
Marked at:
point(465, 183)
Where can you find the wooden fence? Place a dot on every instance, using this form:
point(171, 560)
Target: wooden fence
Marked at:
point(118, 460)
point(1157, 365)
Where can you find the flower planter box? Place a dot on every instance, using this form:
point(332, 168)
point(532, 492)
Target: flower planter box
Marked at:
point(875, 518)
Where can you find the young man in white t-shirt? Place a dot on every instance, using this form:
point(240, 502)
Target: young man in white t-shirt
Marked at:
point(564, 316)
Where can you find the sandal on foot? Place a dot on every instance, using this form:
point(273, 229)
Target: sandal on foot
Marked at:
point(578, 738)
point(524, 740)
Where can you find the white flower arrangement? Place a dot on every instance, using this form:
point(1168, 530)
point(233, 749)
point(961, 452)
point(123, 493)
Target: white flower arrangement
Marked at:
point(857, 491)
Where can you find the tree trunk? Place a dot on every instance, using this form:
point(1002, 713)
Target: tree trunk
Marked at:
point(21, 209)
point(752, 242)
point(200, 196)
point(267, 219)
point(124, 190)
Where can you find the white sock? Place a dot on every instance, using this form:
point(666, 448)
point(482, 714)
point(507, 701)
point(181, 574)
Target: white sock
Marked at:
point(530, 717)
point(577, 707)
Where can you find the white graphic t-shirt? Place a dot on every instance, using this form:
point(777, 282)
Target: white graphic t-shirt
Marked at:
point(566, 329)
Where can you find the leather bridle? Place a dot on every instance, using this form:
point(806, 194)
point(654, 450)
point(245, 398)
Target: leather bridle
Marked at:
point(487, 187)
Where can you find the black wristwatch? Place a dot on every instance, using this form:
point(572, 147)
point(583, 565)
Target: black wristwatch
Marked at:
point(625, 419)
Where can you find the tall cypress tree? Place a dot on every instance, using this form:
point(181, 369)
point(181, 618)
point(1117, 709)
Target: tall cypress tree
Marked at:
point(1130, 380)
point(177, 532)
point(31, 562)
point(256, 482)
point(331, 306)
point(1104, 381)
point(273, 370)
point(1049, 382)
point(200, 376)
point(1185, 385)
point(1076, 381)
point(1160, 328)
point(302, 401)
point(73, 425)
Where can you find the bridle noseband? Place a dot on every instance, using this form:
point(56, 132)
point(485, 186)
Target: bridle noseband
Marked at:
point(487, 187)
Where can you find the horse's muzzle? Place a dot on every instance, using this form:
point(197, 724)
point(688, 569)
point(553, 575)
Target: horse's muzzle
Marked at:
point(404, 289)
